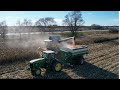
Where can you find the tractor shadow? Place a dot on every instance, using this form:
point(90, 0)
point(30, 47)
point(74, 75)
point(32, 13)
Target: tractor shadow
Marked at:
point(54, 75)
point(89, 71)
point(57, 75)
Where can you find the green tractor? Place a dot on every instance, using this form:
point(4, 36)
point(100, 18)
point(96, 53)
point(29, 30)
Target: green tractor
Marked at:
point(47, 61)
point(54, 58)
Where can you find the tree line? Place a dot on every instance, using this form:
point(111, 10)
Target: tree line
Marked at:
point(73, 20)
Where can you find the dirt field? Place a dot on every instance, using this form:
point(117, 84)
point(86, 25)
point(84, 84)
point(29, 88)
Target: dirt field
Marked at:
point(102, 62)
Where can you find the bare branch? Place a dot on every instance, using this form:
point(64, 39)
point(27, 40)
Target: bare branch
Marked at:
point(73, 20)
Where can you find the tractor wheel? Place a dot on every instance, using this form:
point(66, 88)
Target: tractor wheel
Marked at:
point(57, 66)
point(81, 60)
point(36, 72)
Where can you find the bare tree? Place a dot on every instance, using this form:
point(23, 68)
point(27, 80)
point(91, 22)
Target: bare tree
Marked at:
point(19, 23)
point(46, 22)
point(74, 20)
point(3, 29)
point(28, 24)
point(39, 25)
point(50, 22)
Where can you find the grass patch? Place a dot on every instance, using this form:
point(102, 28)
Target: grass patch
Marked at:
point(69, 34)
point(103, 39)
point(79, 34)
point(9, 55)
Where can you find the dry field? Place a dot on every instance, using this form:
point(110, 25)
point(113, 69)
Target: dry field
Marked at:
point(102, 62)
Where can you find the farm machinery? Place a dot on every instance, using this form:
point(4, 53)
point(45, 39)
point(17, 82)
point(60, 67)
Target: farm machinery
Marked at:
point(58, 52)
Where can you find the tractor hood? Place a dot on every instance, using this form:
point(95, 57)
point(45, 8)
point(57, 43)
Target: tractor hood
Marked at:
point(35, 60)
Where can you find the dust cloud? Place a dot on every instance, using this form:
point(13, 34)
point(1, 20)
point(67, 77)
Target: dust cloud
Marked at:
point(25, 38)
point(27, 41)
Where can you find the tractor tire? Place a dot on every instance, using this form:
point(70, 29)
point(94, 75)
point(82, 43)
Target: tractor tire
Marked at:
point(36, 72)
point(57, 66)
point(79, 61)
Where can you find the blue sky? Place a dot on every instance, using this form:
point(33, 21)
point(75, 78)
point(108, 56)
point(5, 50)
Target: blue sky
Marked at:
point(90, 17)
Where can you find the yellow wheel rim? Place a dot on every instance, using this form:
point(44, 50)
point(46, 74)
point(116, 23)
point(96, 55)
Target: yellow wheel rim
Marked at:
point(58, 67)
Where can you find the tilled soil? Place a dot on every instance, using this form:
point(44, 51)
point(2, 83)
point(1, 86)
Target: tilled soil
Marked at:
point(102, 62)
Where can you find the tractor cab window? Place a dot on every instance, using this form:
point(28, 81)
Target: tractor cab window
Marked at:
point(44, 55)
point(48, 55)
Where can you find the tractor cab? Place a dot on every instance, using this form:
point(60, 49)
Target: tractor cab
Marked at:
point(49, 55)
